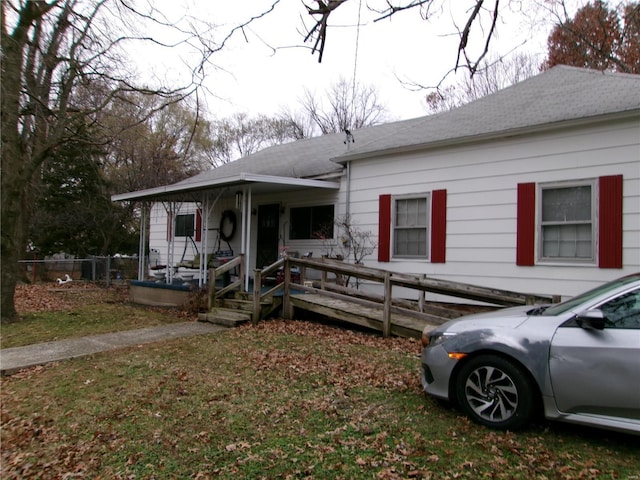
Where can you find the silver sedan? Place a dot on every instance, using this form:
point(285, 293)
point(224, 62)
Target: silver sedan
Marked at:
point(576, 361)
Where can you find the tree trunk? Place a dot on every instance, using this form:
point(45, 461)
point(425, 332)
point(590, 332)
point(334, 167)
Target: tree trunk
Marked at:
point(12, 180)
point(12, 242)
point(19, 160)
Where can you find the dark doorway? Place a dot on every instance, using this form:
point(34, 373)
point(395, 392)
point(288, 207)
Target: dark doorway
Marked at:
point(268, 234)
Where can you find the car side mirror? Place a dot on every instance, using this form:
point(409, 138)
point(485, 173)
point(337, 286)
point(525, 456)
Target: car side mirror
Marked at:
point(592, 320)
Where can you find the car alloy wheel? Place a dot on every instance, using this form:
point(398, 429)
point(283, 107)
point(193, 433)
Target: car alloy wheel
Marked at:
point(495, 392)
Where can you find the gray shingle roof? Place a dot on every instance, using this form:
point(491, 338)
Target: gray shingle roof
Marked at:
point(308, 158)
point(558, 95)
point(561, 94)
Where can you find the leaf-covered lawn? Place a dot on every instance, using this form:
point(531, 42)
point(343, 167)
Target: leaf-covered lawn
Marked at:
point(284, 399)
point(51, 312)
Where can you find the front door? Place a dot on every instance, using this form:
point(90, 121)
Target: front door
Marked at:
point(268, 234)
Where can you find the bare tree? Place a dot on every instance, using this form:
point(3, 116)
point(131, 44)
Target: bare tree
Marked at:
point(489, 78)
point(343, 106)
point(478, 25)
point(152, 143)
point(242, 135)
point(62, 65)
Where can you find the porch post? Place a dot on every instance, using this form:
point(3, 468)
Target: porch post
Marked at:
point(142, 259)
point(246, 234)
point(172, 243)
point(204, 246)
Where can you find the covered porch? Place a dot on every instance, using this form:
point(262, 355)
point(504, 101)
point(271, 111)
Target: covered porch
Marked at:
point(243, 214)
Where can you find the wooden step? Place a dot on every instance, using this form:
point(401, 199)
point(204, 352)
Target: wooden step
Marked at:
point(244, 303)
point(225, 316)
point(237, 304)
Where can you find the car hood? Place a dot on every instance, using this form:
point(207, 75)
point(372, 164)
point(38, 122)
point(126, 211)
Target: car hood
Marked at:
point(504, 318)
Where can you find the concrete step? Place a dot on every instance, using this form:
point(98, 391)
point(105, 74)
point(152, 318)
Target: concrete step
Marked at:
point(225, 316)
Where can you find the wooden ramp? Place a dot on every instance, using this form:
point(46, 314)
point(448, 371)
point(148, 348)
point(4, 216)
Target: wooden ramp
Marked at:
point(335, 292)
point(366, 316)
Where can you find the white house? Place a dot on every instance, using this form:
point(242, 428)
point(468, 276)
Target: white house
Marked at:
point(535, 188)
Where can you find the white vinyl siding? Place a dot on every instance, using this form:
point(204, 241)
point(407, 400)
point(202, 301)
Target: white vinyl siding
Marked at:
point(481, 182)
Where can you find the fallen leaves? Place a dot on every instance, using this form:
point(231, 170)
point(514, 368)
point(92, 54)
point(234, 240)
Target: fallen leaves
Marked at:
point(283, 399)
point(50, 297)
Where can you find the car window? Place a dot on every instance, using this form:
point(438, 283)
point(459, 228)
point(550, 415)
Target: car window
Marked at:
point(623, 311)
point(570, 304)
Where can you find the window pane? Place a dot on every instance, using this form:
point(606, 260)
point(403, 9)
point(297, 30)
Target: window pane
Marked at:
point(184, 225)
point(411, 212)
point(411, 242)
point(566, 204)
point(311, 222)
point(567, 241)
point(300, 223)
point(322, 221)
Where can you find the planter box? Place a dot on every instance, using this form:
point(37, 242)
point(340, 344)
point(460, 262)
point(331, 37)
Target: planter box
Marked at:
point(158, 294)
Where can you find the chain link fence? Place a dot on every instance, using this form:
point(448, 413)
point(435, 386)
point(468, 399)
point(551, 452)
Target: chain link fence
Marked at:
point(63, 268)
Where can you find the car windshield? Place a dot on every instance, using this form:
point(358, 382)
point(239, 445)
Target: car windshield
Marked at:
point(586, 296)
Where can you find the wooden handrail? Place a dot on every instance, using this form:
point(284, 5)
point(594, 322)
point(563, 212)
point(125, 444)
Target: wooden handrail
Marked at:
point(386, 278)
point(214, 294)
point(424, 284)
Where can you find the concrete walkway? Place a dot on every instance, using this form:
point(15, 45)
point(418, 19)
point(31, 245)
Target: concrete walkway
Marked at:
point(15, 359)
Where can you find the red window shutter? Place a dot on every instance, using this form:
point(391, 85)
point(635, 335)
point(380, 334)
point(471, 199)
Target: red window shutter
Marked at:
point(199, 225)
point(438, 226)
point(610, 222)
point(384, 228)
point(526, 225)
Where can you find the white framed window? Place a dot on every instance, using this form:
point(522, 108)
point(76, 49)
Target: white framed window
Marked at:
point(567, 221)
point(411, 226)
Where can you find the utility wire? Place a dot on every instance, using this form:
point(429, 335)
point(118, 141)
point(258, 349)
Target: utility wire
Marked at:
point(355, 60)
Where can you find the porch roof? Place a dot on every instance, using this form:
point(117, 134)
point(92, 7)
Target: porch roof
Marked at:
point(185, 190)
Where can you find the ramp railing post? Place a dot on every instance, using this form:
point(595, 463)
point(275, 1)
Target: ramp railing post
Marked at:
point(286, 303)
point(386, 311)
point(257, 283)
point(212, 288)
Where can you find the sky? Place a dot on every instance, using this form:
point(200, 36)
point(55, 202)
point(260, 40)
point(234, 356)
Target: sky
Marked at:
point(266, 68)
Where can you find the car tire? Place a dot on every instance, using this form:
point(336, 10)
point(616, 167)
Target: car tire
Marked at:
point(495, 392)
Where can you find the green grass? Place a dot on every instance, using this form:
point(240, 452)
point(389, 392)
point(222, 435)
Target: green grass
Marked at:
point(277, 400)
point(82, 312)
